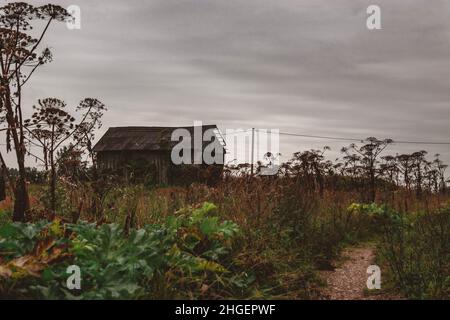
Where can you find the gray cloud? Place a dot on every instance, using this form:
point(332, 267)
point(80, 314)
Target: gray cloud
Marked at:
point(306, 66)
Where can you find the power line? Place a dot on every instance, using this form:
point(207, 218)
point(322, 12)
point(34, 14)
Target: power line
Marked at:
point(422, 142)
point(320, 137)
point(236, 131)
point(362, 140)
point(344, 138)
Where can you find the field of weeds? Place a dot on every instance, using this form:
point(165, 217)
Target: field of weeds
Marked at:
point(246, 237)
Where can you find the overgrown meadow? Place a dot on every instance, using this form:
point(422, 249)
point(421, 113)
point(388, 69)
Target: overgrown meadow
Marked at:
point(245, 237)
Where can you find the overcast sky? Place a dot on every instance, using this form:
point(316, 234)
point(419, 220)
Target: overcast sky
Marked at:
point(301, 66)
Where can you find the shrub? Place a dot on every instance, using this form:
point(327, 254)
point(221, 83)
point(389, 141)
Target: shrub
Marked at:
point(181, 257)
point(415, 248)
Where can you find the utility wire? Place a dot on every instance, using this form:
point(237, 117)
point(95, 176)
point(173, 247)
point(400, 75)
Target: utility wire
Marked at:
point(237, 131)
point(361, 140)
point(320, 137)
point(342, 138)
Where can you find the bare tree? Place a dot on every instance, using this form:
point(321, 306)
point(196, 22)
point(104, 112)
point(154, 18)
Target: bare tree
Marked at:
point(419, 166)
point(369, 154)
point(311, 166)
point(390, 170)
point(50, 126)
point(351, 164)
point(405, 164)
point(441, 168)
point(19, 60)
point(84, 136)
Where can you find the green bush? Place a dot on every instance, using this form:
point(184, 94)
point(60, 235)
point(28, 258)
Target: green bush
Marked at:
point(182, 258)
point(415, 248)
point(5, 216)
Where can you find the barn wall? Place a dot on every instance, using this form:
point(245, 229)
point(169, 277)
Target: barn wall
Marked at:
point(115, 160)
point(166, 172)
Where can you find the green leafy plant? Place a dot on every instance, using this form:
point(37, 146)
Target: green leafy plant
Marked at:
point(415, 249)
point(187, 251)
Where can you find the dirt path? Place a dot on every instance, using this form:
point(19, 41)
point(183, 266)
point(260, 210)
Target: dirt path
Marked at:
point(348, 280)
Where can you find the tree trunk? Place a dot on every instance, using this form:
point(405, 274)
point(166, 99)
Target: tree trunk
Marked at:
point(52, 184)
point(21, 201)
point(372, 185)
point(2, 188)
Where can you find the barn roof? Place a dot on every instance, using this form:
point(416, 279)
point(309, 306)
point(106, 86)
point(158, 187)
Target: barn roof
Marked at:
point(142, 138)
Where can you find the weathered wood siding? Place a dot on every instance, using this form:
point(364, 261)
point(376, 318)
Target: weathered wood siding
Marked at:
point(116, 160)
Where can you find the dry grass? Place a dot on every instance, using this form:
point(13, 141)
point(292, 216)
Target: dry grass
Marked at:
point(289, 230)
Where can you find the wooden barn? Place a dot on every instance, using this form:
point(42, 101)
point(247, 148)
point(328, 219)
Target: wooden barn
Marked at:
point(120, 148)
